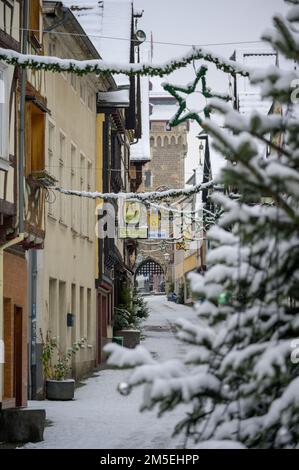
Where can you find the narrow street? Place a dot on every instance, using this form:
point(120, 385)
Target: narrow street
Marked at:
point(100, 417)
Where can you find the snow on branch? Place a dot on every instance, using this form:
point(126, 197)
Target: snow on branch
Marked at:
point(147, 196)
point(127, 358)
point(55, 64)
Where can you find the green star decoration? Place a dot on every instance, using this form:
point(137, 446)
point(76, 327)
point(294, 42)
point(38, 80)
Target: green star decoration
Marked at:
point(206, 92)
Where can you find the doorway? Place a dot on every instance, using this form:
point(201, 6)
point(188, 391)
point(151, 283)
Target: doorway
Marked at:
point(18, 347)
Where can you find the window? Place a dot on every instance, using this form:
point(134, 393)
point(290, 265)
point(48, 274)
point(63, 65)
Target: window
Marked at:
point(52, 49)
point(82, 313)
point(62, 158)
point(51, 159)
point(74, 310)
point(7, 13)
point(74, 81)
point(4, 113)
point(73, 186)
point(148, 179)
point(89, 323)
point(82, 199)
point(90, 101)
point(89, 202)
point(62, 315)
point(35, 139)
point(82, 91)
point(53, 317)
point(35, 23)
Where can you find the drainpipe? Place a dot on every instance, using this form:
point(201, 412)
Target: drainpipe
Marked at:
point(15, 241)
point(22, 119)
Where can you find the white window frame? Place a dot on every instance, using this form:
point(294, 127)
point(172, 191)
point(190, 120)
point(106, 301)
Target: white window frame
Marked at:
point(4, 118)
point(74, 82)
point(51, 159)
point(73, 179)
point(61, 175)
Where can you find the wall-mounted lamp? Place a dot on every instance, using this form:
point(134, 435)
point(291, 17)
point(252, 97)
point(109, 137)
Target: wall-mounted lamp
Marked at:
point(139, 37)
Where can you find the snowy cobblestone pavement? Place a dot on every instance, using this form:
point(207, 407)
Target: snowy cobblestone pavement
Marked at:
point(100, 417)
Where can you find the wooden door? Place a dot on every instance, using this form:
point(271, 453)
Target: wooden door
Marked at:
point(18, 346)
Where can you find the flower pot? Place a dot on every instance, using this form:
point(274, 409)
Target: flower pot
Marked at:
point(131, 337)
point(60, 389)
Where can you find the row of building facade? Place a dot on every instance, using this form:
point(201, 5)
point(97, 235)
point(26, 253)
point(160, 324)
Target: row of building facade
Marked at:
point(75, 132)
point(94, 132)
point(166, 169)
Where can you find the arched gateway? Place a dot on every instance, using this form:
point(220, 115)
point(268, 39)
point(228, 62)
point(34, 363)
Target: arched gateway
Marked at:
point(150, 276)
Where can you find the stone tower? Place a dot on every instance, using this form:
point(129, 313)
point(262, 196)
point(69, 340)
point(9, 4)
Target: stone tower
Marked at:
point(166, 170)
point(168, 147)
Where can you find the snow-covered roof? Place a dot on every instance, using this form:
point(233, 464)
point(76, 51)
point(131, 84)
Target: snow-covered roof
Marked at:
point(163, 105)
point(163, 112)
point(103, 20)
point(249, 96)
point(141, 152)
point(119, 98)
point(249, 102)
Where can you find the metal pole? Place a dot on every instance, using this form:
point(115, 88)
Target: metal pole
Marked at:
point(22, 119)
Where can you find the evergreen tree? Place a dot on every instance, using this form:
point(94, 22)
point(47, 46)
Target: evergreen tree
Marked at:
point(238, 377)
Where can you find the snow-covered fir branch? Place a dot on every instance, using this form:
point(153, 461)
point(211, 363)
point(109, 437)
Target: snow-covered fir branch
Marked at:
point(237, 376)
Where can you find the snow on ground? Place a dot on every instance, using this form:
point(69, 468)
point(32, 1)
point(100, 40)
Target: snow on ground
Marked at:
point(100, 418)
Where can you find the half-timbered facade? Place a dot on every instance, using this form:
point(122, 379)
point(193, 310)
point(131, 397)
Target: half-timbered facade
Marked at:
point(13, 266)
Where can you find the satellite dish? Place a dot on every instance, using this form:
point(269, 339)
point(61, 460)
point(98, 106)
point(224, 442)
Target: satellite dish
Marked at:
point(140, 36)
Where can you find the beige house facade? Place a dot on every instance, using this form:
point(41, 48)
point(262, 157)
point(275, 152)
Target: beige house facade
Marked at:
point(66, 295)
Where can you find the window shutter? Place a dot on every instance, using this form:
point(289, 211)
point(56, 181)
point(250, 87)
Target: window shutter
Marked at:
point(35, 33)
point(28, 139)
point(38, 140)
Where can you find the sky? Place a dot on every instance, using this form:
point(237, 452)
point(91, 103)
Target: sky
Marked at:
point(204, 22)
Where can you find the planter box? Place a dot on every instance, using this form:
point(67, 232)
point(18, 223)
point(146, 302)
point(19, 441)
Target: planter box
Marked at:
point(22, 425)
point(131, 337)
point(60, 389)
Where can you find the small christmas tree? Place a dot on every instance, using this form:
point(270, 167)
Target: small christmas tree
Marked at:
point(238, 377)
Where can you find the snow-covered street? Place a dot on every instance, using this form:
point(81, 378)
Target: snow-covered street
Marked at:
point(100, 417)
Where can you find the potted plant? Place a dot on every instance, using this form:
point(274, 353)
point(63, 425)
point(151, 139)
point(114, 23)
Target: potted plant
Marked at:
point(128, 317)
point(57, 368)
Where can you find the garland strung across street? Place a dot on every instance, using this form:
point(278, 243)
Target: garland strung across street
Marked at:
point(78, 67)
point(148, 196)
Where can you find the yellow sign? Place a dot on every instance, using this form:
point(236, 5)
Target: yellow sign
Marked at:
point(133, 221)
point(132, 232)
point(132, 213)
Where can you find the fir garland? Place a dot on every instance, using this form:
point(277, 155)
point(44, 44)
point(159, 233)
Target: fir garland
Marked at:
point(55, 64)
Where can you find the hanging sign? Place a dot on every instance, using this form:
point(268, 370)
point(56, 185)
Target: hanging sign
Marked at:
point(132, 220)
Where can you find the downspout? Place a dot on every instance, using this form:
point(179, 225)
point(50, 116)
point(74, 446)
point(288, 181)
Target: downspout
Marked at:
point(22, 119)
point(15, 241)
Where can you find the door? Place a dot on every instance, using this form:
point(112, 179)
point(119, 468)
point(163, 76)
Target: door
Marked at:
point(104, 317)
point(99, 328)
point(18, 346)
